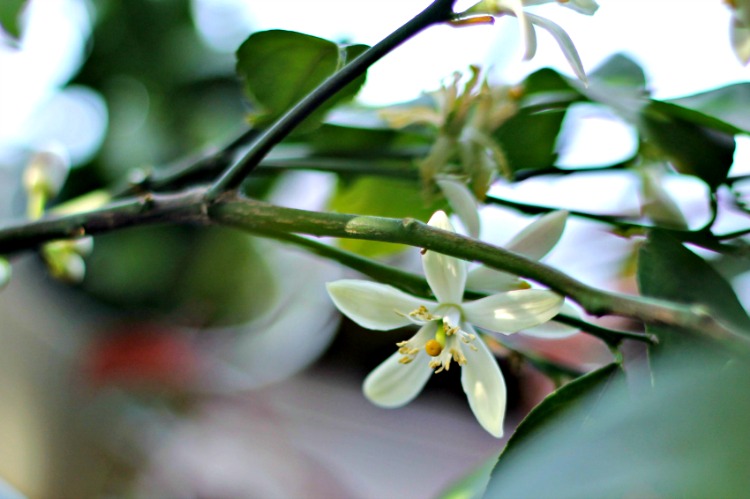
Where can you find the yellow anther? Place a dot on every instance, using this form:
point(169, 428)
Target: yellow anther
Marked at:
point(422, 313)
point(433, 348)
point(405, 360)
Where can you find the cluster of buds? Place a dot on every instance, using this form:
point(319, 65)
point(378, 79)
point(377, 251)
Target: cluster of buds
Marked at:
point(464, 159)
point(43, 178)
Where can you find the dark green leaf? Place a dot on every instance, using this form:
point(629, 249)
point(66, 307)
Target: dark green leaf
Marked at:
point(10, 17)
point(281, 67)
point(471, 486)
point(729, 104)
point(528, 139)
point(686, 437)
point(578, 396)
point(668, 270)
point(692, 147)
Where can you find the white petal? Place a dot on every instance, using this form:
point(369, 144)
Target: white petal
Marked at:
point(513, 311)
point(539, 237)
point(393, 384)
point(565, 43)
point(373, 305)
point(527, 30)
point(445, 274)
point(486, 279)
point(463, 203)
point(555, 330)
point(485, 388)
point(587, 7)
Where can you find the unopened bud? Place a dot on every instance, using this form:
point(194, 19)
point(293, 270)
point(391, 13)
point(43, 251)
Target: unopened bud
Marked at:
point(46, 172)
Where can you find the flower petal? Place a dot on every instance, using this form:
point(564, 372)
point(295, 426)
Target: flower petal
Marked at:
point(527, 30)
point(555, 330)
point(586, 7)
point(486, 279)
point(539, 237)
point(565, 43)
point(445, 274)
point(393, 384)
point(463, 203)
point(374, 305)
point(513, 311)
point(485, 388)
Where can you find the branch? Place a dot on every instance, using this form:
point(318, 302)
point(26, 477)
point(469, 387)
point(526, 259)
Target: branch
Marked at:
point(437, 12)
point(255, 216)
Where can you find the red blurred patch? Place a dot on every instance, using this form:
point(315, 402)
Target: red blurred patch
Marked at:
point(143, 355)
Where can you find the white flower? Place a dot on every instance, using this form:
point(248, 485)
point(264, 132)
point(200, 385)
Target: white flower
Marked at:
point(534, 242)
point(528, 21)
point(446, 334)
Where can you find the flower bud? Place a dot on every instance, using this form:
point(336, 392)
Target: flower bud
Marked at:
point(46, 172)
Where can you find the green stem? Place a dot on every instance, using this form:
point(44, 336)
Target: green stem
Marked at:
point(703, 237)
point(417, 285)
point(437, 12)
point(406, 281)
point(190, 207)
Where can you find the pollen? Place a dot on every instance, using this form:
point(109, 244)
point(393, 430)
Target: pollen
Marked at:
point(422, 314)
point(433, 348)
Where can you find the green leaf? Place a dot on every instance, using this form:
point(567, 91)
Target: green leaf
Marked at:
point(528, 139)
point(667, 270)
point(577, 396)
point(686, 437)
point(212, 277)
point(620, 71)
point(729, 104)
point(280, 68)
point(471, 486)
point(692, 147)
point(385, 197)
point(619, 83)
point(10, 17)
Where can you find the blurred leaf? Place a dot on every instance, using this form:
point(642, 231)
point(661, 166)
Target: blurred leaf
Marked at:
point(227, 281)
point(528, 139)
point(668, 270)
point(728, 104)
point(619, 83)
point(546, 89)
point(473, 485)
point(10, 17)
point(692, 147)
point(686, 437)
point(281, 67)
point(337, 140)
point(576, 395)
point(210, 277)
point(385, 197)
point(620, 71)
